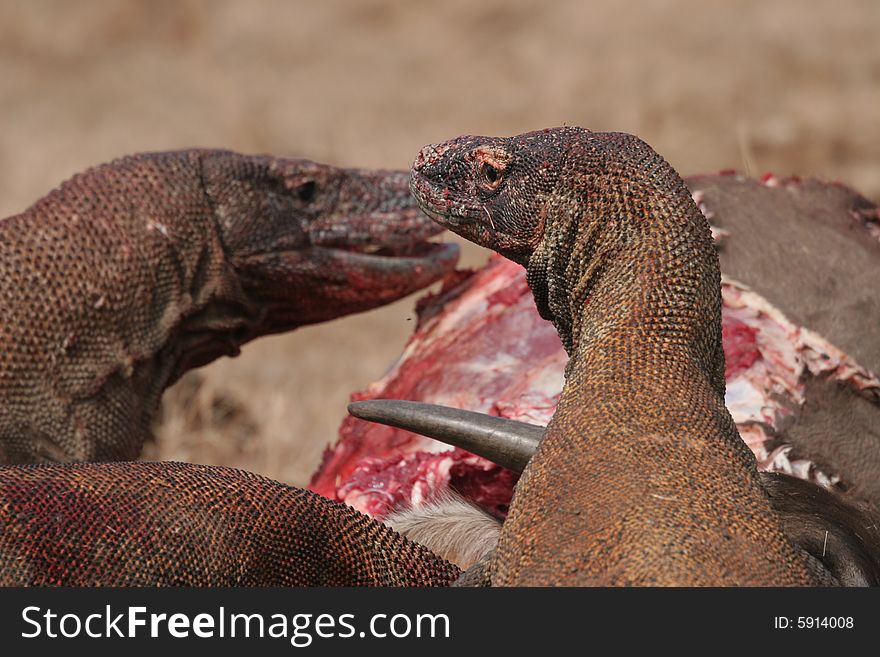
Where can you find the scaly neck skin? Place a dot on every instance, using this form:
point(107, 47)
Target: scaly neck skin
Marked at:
point(639, 310)
point(201, 312)
point(627, 254)
point(633, 286)
point(166, 295)
point(632, 303)
point(641, 477)
point(214, 315)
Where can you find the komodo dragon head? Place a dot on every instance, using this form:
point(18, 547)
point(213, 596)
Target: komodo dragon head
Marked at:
point(312, 242)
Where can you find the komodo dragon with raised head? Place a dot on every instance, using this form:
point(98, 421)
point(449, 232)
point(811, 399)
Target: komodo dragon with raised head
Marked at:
point(133, 272)
point(641, 477)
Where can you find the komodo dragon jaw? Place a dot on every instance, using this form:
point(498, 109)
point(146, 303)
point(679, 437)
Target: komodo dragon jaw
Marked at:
point(641, 477)
point(312, 242)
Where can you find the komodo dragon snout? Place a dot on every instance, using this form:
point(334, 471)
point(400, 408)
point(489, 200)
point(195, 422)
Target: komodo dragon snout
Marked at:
point(129, 274)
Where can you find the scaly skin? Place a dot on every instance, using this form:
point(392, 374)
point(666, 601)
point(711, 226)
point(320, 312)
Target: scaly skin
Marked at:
point(133, 272)
point(176, 524)
point(641, 478)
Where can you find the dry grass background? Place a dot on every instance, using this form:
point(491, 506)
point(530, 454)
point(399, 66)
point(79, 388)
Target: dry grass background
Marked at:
point(788, 86)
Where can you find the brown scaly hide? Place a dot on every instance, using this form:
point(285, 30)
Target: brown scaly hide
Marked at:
point(176, 524)
point(827, 233)
point(641, 478)
point(812, 249)
point(133, 272)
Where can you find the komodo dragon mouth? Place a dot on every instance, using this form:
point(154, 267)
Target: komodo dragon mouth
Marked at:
point(425, 254)
point(358, 222)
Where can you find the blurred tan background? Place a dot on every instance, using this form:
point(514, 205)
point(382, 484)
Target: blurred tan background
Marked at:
point(787, 86)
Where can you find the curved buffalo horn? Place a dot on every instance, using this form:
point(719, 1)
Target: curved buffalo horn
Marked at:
point(506, 442)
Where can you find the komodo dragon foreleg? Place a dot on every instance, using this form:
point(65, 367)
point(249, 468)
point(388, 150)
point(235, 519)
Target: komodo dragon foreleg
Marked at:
point(641, 477)
point(133, 272)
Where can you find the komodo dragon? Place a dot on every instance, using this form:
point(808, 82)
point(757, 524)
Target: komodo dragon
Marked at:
point(133, 272)
point(641, 478)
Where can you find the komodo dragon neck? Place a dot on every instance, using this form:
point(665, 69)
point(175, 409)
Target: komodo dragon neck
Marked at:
point(136, 288)
point(641, 478)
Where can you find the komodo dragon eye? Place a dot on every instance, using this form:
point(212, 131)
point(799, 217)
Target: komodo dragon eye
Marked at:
point(306, 191)
point(490, 174)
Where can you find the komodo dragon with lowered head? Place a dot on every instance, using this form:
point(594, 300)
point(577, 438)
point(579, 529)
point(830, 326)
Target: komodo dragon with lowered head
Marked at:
point(641, 477)
point(129, 274)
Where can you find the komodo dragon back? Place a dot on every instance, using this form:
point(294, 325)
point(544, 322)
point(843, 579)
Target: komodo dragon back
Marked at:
point(641, 478)
point(177, 524)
